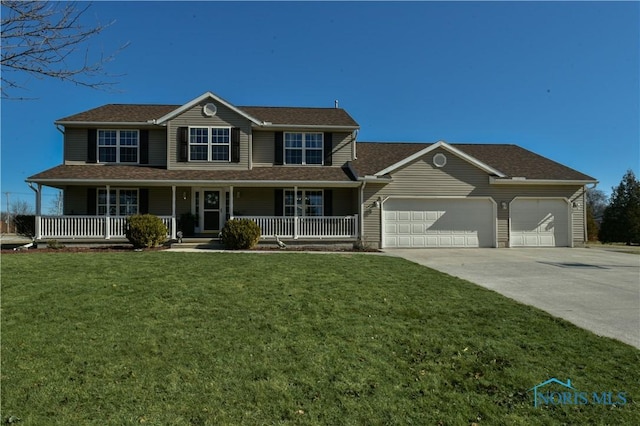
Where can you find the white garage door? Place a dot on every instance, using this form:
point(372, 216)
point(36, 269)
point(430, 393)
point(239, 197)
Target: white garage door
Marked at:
point(539, 223)
point(415, 223)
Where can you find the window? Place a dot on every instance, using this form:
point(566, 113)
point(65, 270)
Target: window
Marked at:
point(209, 143)
point(118, 146)
point(309, 202)
point(303, 148)
point(122, 202)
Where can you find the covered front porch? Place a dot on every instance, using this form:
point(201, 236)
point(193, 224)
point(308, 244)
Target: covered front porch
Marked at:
point(288, 213)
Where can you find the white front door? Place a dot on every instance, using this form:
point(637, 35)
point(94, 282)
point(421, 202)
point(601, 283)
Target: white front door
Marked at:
point(209, 208)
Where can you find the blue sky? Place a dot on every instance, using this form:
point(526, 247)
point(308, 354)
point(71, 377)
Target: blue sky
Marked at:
point(560, 79)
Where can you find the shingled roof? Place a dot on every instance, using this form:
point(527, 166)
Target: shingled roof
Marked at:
point(116, 173)
point(140, 113)
point(511, 160)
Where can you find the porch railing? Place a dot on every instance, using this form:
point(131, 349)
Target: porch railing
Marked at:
point(307, 227)
point(86, 226)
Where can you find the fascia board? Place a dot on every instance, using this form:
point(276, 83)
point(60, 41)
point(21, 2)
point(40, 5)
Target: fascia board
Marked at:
point(494, 181)
point(248, 183)
point(444, 145)
point(272, 126)
point(104, 123)
point(196, 101)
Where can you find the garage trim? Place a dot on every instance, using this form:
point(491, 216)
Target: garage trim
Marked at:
point(494, 206)
point(569, 216)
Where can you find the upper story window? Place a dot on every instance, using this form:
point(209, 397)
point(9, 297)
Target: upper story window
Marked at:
point(209, 143)
point(118, 146)
point(303, 148)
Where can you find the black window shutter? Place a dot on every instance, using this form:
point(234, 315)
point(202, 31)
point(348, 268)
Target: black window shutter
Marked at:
point(279, 202)
point(92, 201)
point(183, 143)
point(235, 145)
point(144, 147)
point(328, 202)
point(328, 148)
point(278, 158)
point(92, 146)
point(143, 201)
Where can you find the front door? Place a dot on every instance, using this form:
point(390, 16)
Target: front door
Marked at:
point(210, 211)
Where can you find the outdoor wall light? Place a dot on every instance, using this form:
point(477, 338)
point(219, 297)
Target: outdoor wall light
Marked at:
point(184, 195)
point(376, 204)
point(238, 194)
point(503, 205)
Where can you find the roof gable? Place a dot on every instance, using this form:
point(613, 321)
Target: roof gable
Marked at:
point(509, 159)
point(441, 144)
point(199, 99)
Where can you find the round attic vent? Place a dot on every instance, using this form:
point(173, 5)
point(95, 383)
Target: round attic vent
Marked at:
point(209, 110)
point(439, 160)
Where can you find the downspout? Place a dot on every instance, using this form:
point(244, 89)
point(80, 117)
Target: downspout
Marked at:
point(364, 184)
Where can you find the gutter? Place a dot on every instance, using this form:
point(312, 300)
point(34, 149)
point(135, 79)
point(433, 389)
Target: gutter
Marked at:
point(105, 123)
point(525, 181)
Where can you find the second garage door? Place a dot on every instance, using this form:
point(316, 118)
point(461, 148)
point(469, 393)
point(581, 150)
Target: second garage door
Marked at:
point(416, 223)
point(539, 222)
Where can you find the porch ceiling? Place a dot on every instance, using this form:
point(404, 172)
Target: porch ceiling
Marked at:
point(154, 176)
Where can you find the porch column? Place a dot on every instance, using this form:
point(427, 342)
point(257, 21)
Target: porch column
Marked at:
point(38, 231)
point(295, 212)
point(107, 218)
point(231, 202)
point(173, 212)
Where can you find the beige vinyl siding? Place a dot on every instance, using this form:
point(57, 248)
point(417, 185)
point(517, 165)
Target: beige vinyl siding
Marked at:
point(225, 117)
point(343, 201)
point(458, 178)
point(74, 200)
point(342, 148)
point(264, 147)
point(75, 146)
point(253, 201)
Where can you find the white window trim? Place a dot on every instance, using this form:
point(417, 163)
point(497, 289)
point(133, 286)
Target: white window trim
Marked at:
point(117, 146)
point(210, 144)
point(303, 148)
point(303, 205)
point(117, 204)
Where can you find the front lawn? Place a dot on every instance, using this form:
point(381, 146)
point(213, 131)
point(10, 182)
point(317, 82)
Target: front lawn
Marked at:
point(163, 338)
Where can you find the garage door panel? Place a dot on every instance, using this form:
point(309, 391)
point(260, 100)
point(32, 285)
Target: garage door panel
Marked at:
point(539, 223)
point(440, 223)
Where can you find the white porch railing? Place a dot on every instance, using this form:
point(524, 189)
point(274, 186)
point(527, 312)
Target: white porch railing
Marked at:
point(306, 227)
point(86, 226)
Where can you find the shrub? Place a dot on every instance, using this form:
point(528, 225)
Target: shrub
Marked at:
point(25, 225)
point(240, 234)
point(146, 230)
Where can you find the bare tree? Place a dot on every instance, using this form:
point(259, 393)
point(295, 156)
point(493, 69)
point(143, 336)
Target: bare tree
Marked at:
point(55, 207)
point(44, 40)
point(21, 207)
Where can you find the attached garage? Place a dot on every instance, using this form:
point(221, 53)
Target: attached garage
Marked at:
point(540, 222)
point(419, 222)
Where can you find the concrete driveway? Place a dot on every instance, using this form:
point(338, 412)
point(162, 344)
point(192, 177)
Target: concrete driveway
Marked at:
point(595, 289)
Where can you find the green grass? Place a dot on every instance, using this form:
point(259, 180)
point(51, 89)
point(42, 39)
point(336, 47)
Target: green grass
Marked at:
point(164, 338)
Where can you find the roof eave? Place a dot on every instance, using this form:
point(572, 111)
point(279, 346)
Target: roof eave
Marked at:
point(266, 125)
point(209, 182)
point(103, 123)
point(525, 181)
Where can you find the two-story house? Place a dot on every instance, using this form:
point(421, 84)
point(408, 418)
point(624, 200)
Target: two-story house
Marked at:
point(300, 173)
